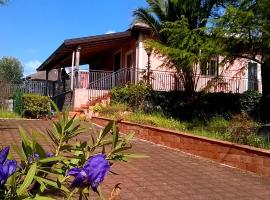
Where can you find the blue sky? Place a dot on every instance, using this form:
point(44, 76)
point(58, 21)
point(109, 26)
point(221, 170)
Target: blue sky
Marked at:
point(31, 30)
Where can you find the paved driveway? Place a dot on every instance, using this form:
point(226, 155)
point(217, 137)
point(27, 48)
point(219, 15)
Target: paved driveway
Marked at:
point(166, 174)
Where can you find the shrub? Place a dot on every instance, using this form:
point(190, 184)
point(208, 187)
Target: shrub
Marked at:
point(133, 95)
point(243, 130)
point(249, 102)
point(204, 106)
point(114, 110)
point(18, 104)
point(97, 108)
point(35, 106)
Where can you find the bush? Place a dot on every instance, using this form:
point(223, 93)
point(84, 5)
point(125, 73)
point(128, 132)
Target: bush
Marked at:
point(114, 110)
point(175, 104)
point(249, 102)
point(204, 106)
point(243, 130)
point(35, 106)
point(131, 94)
point(97, 108)
point(18, 104)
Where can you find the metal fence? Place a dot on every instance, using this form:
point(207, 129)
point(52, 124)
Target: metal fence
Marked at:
point(87, 77)
point(167, 81)
point(37, 87)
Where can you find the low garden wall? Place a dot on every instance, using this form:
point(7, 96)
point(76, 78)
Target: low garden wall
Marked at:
point(240, 156)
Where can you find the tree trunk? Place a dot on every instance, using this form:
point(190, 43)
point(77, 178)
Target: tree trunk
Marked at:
point(265, 71)
point(189, 84)
point(265, 102)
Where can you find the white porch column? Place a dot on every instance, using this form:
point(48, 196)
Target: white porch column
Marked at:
point(77, 64)
point(140, 52)
point(139, 59)
point(72, 71)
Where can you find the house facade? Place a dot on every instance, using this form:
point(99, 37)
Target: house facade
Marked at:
point(119, 58)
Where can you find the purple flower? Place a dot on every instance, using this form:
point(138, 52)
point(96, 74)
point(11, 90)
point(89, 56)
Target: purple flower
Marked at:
point(92, 173)
point(35, 156)
point(7, 167)
point(49, 154)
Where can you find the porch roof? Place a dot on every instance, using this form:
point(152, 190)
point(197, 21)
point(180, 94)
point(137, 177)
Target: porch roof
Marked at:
point(90, 46)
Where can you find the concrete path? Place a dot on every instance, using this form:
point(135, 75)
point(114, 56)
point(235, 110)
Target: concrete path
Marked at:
point(166, 174)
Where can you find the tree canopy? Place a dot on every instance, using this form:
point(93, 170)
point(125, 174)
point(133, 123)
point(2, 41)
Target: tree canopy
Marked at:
point(3, 1)
point(245, 30)
point(180, 26)
point(11, 69)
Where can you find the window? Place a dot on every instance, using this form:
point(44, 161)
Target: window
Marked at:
point(209, 68)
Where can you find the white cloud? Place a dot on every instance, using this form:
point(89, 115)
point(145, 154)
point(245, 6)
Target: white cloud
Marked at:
point(110, 31)
point(31, 66)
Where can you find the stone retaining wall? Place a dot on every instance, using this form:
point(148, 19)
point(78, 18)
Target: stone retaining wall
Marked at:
point(240, 156)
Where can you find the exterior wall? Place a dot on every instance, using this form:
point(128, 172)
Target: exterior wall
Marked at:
point(234, 75)
point(130, 47)
point(80, 97)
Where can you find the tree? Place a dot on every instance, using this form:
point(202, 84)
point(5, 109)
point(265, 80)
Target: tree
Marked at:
point(245, 30)
point(11, 69)
point(3, 1)
point(179, 29)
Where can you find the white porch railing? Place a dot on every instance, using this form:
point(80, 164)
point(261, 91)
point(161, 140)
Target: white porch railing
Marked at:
point(167, 81)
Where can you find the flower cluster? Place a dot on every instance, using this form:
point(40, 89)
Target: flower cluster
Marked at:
point(83, 162)
point(7, 167)
point(92, 173)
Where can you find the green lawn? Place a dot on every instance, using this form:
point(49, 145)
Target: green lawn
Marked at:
point(8, 115)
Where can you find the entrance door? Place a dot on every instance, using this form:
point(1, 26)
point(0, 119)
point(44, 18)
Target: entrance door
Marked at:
point(117, 61)
point(129, 65)
point(116, 67)
point(252, 76)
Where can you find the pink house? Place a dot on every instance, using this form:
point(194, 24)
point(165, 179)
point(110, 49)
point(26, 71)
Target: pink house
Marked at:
point(119, 58)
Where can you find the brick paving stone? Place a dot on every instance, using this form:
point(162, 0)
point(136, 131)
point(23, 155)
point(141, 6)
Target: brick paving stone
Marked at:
point(166, 174)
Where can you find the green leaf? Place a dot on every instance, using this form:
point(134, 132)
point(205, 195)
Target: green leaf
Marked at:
point(39, 149)
point(26, 142)
point(28, 179)
point(42, 186)
point(50, 159)
point(43, 198)
point(129, 137)
point(55, 107)
point(115, 136)
point(135, 155)
point(69, 123)
point(121, 149)
point(106, 130)
point(52, 183)
point(19, 152)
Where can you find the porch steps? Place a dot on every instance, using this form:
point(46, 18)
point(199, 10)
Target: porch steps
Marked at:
point(86, 109)
point(72, 114)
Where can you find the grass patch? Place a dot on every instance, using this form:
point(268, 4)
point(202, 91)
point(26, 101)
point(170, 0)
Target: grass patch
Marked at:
point(156, 119)
point(8, 115)
point(238, 130)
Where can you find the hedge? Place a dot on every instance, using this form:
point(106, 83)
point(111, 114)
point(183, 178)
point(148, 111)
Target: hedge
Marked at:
point(201, 106)
point(35, 105)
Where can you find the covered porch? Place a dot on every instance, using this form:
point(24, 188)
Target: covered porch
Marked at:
point(103, 56)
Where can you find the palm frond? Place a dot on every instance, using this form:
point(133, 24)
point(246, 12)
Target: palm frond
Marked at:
point(144, 16)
